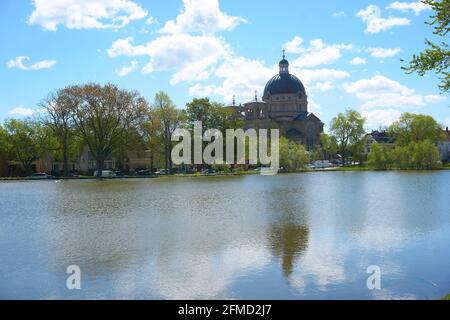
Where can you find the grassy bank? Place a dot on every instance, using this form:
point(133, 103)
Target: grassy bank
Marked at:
point(235, 173)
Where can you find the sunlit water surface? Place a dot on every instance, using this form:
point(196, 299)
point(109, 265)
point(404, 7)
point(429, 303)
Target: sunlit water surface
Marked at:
point(297, 236)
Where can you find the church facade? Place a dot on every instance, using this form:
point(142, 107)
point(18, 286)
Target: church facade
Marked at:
point(284, 105)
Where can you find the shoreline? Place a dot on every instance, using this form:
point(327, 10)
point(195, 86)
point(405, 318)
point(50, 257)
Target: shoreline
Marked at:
point(226, 174)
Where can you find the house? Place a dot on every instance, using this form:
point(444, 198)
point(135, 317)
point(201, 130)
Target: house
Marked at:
point(444, 147)
point(380, 137)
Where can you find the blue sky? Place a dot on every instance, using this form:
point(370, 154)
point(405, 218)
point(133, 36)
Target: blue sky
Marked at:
point(347, 53)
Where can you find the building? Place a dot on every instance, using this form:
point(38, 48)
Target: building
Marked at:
point(444, 147)
point(284, 105)
point(379, 137)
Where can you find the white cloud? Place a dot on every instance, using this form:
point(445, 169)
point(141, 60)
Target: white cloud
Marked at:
point(19, 62)
point(23, 112)
point(357, 61)
point(383, 53)
point(380, 117)
point(310, 76)
point(85, 14)
point(382, 92)
point(294, 46)
point(125, 70)
point(252, 75)
point(375, 23)
point(417, 7)
point(192, 57)
point(151, 20)
point(202, 16)
point(339, 14)
point(318, 53)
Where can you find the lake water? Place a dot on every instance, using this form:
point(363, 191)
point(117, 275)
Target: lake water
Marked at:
point(295, 236)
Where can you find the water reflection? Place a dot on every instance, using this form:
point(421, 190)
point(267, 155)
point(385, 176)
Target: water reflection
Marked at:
point(235, 237)
point(288, 241)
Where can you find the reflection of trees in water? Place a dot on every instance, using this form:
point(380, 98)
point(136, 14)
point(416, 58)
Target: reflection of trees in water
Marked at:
point(288, 241)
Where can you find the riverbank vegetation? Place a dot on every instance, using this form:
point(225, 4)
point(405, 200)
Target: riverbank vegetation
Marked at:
point(100, 122)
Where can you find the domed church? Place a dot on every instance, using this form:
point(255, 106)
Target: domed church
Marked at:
point(284, 105)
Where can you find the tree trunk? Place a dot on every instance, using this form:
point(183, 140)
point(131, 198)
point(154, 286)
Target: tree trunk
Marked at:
point(65, 158)
point(100, 165)
point(151, 161)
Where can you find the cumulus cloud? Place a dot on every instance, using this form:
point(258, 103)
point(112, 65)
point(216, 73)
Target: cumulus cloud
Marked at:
point(85, 14)
point(19, 62)
point(252, 75)
point(202, 16)
point(357, 61)
point(382, 92)
point(380, 117)
point(417, 7)
point(383, 53)
point(22, 112)
point(375, 23)
point(316, 54)
point(295, 45)
point(125, 70)
point(190, 56)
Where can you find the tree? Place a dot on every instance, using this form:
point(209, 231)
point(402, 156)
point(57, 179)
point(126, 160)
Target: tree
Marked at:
point(213, 115)
point(435, 57)
point(348, 129)
point(58, 117)
point(424, 155)
point(151, 132)
point(26, 139)
point(293, 156)
point(3, 143)
point(170, 119)
point(329, 145)
point(102, 114)
point(415, 128)
point(380, 157)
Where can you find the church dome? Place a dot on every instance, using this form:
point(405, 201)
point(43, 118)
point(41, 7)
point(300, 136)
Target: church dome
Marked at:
point(284, 82)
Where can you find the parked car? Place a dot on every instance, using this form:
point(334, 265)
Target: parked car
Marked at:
point(209, 171)
point(143, 173)
point(106, 173)
point(119, 173)
point(39, 176)
point(161, 172)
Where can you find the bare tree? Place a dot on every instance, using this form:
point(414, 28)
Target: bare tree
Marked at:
point(58, 117)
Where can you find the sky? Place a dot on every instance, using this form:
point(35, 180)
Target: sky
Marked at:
point(347, 53)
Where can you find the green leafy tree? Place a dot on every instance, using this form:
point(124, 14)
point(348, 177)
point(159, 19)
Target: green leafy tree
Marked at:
point(170, 119)
point(329, 145)
point(151, 132)
point(293, 156)
point(102, 115)
point(3, 143)
point(348, 130)
point(437, 56)
point(27, 141)
point(380, 157)
point(424, 155)
point(415, 128)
